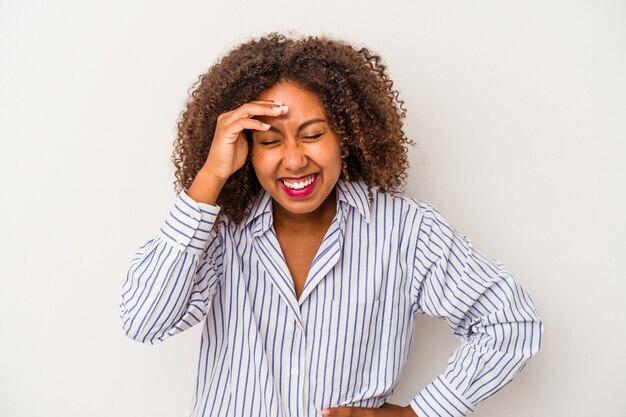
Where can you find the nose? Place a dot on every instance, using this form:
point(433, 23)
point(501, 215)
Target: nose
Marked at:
point(294, 157)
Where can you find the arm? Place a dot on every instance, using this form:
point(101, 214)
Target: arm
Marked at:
point(493, 316)
point(173, 277)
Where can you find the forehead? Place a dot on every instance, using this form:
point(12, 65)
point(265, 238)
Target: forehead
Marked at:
point(301, 102)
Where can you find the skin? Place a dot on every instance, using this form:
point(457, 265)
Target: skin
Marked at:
point(299, 143)
point(290, 139)
point(229, 148)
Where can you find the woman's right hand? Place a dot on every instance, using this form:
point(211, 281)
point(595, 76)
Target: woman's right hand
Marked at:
point(229, 148)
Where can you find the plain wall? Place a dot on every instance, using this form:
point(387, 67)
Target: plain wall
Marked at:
point(518, 111)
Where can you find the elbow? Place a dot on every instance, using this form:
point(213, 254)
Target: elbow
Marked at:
point(531, 338)
point(133, 328)
point(539, 324)
point(139, 336)
point(535, 332)
point(145, 339)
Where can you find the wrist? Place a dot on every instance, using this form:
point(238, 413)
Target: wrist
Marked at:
point(206, 187)
point(208, 171)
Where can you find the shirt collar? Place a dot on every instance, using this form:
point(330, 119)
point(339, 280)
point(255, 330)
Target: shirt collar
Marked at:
point(349, 194)
point(354, 194)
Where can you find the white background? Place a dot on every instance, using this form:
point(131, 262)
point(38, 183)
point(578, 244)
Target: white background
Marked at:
point(518, 109)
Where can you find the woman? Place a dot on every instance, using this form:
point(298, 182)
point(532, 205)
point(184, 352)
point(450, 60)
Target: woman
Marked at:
point(290, 242)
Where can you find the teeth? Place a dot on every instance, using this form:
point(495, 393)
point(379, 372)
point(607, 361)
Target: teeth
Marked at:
point(298, 185)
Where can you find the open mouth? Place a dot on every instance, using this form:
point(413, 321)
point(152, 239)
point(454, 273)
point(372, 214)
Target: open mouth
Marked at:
point(300, 183)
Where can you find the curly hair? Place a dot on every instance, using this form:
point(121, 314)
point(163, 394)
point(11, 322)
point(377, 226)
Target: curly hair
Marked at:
point(358, 97)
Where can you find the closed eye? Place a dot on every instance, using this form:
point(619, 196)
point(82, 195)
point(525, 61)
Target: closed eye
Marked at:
point(312, 136)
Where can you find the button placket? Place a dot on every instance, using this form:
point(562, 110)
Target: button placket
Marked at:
point(297, 371)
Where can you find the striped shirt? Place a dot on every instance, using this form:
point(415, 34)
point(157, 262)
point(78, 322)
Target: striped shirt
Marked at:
point(266, 353)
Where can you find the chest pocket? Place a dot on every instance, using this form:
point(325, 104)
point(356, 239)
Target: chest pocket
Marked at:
point(354, 343)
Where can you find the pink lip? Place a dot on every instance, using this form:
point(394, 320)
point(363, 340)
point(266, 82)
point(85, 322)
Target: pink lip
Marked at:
point(305, 192)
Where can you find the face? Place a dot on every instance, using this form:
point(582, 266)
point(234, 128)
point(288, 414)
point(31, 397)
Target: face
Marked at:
point(298, 160)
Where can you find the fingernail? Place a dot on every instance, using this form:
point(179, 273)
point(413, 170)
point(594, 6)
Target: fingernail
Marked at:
point(278, 102)
point(265, 125)
point(325, 411)
point(284, 107)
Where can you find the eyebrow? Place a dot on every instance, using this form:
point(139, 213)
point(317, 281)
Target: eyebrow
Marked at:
point(302, 126)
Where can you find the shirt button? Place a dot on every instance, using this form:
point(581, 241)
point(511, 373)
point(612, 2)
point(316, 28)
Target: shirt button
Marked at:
point(294, 371)
point(181, 240)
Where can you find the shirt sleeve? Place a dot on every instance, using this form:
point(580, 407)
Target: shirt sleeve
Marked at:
point(493, 316)
point(173, 276)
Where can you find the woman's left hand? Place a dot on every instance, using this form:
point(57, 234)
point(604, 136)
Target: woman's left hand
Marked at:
point(386, 410)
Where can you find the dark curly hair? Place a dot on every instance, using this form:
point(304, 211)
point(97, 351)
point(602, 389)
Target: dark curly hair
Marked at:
point(358, 97)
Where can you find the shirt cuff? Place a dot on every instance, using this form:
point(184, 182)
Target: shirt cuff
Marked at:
point(189, 223)
point(438, 399)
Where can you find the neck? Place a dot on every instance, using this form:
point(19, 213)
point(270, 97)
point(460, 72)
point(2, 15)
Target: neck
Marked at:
point(322, 216)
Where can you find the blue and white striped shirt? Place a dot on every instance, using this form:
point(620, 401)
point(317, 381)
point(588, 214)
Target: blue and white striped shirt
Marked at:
point(344, 342)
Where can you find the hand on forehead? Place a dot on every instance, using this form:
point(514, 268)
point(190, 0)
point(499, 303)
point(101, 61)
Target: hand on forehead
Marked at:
point(303, 105)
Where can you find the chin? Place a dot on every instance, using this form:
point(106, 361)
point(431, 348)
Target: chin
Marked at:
point(299, 207)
